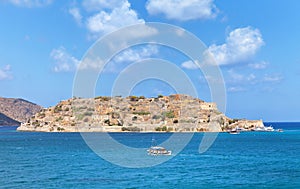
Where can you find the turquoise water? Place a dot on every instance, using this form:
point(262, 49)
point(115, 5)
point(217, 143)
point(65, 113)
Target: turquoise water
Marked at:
point(63, 160)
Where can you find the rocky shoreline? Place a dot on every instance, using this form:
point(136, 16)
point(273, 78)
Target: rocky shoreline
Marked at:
point(174, 113)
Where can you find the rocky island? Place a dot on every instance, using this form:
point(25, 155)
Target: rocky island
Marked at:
point(174, 113)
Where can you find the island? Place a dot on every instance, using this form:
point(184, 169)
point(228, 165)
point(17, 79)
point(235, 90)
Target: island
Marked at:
point(173, 113)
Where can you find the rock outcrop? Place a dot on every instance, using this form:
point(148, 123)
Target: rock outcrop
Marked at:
point(174, 113)
point(16, 111)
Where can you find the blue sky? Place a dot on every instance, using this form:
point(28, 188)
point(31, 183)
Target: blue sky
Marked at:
point(256, 44)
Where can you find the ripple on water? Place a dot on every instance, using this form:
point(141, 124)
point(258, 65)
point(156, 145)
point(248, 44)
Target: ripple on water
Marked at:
point(52, 160)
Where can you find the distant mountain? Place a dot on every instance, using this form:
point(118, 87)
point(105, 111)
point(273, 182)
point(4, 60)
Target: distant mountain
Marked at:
point(13, 111)
point(4, 120)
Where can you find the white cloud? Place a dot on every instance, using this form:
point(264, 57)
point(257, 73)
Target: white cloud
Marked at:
point(30, 3)
point(273, 78)
point(104, 22)
point(131, 55)
point(183, 9)
point(236, 78)
point(236, 89)
point(75, 12)
point(241, 45)
point(239, 82)
point(101, 17)
point(5, 73)
point(91, 64)
point(63, 61)
point(259, 66)
point(190, 65)
point(251, 77)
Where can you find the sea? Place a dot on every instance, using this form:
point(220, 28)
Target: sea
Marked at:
point(64, 160)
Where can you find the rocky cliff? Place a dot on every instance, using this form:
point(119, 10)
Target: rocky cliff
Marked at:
point(174, 113)
point(15, 110)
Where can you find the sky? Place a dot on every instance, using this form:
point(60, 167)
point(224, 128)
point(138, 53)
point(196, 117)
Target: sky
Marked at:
point(255, 43)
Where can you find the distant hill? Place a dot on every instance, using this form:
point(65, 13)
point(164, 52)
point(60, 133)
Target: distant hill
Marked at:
point(4, 120)
point(13, 111)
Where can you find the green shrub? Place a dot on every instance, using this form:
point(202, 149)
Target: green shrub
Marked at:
point(82, 107)
point(42, 115)
point(91, 109)
point(59, 118)
point(164, 128)
point(88, 113)
point(57, 109)
point(132, 129)
point(97, 97)
point(106, 98)
point(141, 113)
point(156, 117)
point(141, 97)
point(133, 98)
point(169, 114)
point(79, 116)
point(60, 129)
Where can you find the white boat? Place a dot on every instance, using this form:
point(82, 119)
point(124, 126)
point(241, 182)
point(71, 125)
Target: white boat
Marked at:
point(158, 150)
point(279, 130)
point(234, 132)
point(259, 129)
point(263, 128)
point(270, 128)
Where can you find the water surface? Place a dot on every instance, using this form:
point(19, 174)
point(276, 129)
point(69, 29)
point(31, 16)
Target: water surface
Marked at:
point(63, 160)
